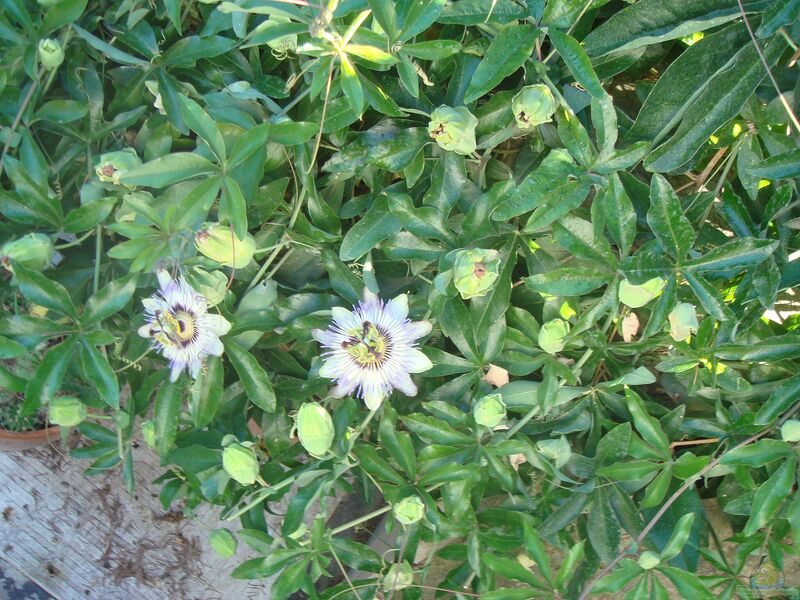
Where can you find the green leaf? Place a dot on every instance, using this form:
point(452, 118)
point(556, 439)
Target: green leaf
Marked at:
point(509, 568)
point(682, 82)
point(60, 111)
point(654, 21)
point(723, 99)
point(537, 551)
point(457, 324)
point(61, 14)
point(487, 310)
point(508, 52)
point(672, 229)
point(397, 443)
point(375, 226)
point(233, 207)
point(554, 178)
point(433, 49)
point(372, 463)
point(629, 471)
point(602, 527)
point(774, 348)
point(435, 431)
point(207, 393)
point(568, 281)
point(98, 372)
point(577, 62)
point(648, 427)
point(43, 291)
point(203, 125)
point(87, 216)
point(472, 12)
point(709, 296)
point(292, 133)
point(782, 166)
point(166, 412)
point(188, 50)
point(254, 379)
point(678, 538)
point(757, 454)
point(109, 300)
point(248, 143)
point(265, 566)
point(779, 14)
point(169, 169)
point(618, 214)
point(11, 349)
point(779, 401)
point(734, 256)
point(351, 85)
point(46, 380)
point(688, 584)
point(108, 50)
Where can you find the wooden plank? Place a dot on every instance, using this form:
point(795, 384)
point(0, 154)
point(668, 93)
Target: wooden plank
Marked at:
point(86, 537)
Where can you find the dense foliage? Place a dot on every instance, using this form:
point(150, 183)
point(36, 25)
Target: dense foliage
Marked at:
point(591, 207)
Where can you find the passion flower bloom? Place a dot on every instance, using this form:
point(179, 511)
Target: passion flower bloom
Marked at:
point(371, 350)
point(181, 327)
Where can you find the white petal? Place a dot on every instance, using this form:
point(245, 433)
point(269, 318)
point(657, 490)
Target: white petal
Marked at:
point(342, 389)
point(175, 371)
point(194, 368)
point(398, 307)
point(164, 278)
point(403, 383)
point(343, 318)
point(417, 329)
point(324, 337)
point(417, 362)
point(217, 324)
point(331, 369)
point(144, 330)
point(215, 347)
point(150, 304)
point(373, 396)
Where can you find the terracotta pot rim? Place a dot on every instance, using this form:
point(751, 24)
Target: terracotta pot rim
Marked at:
point(22, 440)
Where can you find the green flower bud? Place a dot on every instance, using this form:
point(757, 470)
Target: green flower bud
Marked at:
point(649, 560)
point(533, 105)
point(453, 129)
point(552, 335)
point(409, 510)
point(790, 431)
point(683, 321)
point(149, 433)
point(67, 411)
point(112, 165)
point(315, 428)
point(51, 54)
point(34, 251)
point(475, 271)
point(240, 462)
point(398, 577)
point(218, 243)
point(489, 411)
point(211, 284)
point(223, 542)
point(557, 450)
point(636, 296)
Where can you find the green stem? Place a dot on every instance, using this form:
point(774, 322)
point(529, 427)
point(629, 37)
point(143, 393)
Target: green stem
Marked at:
point(261, 495)
point(98, 254)
point(75, 242)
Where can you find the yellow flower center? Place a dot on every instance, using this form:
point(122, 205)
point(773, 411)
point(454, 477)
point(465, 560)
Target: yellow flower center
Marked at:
point(368, 346)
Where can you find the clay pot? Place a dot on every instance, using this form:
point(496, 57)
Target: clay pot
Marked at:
point(11, 441)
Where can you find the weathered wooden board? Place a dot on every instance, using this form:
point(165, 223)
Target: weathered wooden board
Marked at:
point(86, 537)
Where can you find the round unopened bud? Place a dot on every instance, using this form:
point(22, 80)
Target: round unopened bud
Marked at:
point(240, 462)
point(475, 271)
point(636, 296)
point(223, 542)
point(649, 560)
point(34, 251)
point(213, 285)
point(552, 336)
point(683, 321)
point(399, 576)
point(557, 450)
point(67, 411)
point(113, 165)
point(454, 129)
point(218, 243)
point(533, 105)
point(790, 431)
point(315, 428)
point(51, 54)
point(409, 510)
point(489, 411)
